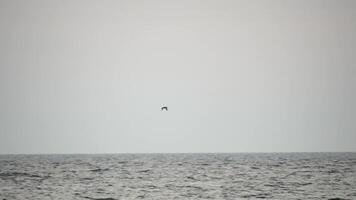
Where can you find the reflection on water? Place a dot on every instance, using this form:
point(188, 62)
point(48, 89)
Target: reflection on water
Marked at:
point(179, 176)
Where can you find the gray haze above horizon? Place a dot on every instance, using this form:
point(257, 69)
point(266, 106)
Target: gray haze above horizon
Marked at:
point(237, 76)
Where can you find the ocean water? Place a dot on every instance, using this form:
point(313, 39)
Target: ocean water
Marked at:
point(179, 176)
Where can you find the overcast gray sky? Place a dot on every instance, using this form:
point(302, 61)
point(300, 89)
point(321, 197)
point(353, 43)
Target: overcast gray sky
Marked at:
point(237, 76)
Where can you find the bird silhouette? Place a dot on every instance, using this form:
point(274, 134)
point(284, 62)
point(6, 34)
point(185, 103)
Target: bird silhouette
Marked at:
point(164, 108)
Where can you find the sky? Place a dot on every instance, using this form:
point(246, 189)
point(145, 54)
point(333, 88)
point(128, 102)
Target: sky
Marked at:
point(237, 76)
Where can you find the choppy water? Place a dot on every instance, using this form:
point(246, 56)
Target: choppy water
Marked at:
point(179, 176)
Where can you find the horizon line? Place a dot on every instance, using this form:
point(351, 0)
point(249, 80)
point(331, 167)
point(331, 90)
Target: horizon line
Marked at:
point(242, 152)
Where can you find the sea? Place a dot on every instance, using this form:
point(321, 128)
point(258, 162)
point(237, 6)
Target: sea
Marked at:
point(222, 176)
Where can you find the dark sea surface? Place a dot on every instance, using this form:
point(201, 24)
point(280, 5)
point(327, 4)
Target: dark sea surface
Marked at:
point(179, 176)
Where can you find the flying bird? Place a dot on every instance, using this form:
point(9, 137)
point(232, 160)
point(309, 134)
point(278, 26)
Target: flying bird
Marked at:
point(164, 108)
